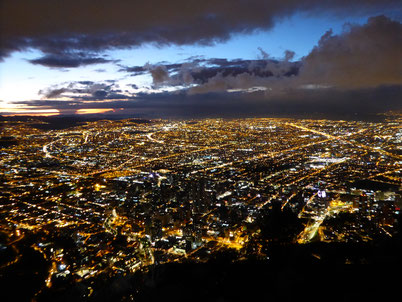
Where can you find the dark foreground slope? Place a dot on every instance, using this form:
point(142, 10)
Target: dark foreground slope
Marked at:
point(313, 272)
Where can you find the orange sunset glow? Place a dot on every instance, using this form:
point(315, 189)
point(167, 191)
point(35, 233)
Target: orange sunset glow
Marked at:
point(94, 110)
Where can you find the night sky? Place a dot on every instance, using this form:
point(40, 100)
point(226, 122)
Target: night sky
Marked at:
point(185, 58)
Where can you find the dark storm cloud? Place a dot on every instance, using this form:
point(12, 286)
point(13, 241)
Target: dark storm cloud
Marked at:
point(159, 73)
point(54, 26)
point(148, 68)
point(68, 61)
point(100, 94)
point(87, 83)
point(363, 56)
point(200, 71)
point(84, 90)
point(134, 70)
point(221, 75)
point(55, 93)
point(257, 68)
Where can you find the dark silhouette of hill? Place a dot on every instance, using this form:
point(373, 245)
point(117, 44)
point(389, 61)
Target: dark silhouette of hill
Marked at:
point(21, 281)
point(290, 272)
point(284, 271)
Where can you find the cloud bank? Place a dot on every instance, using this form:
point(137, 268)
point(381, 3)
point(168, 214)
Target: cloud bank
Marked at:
point(69, 60)
point(357, 71)
point(363, 56)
